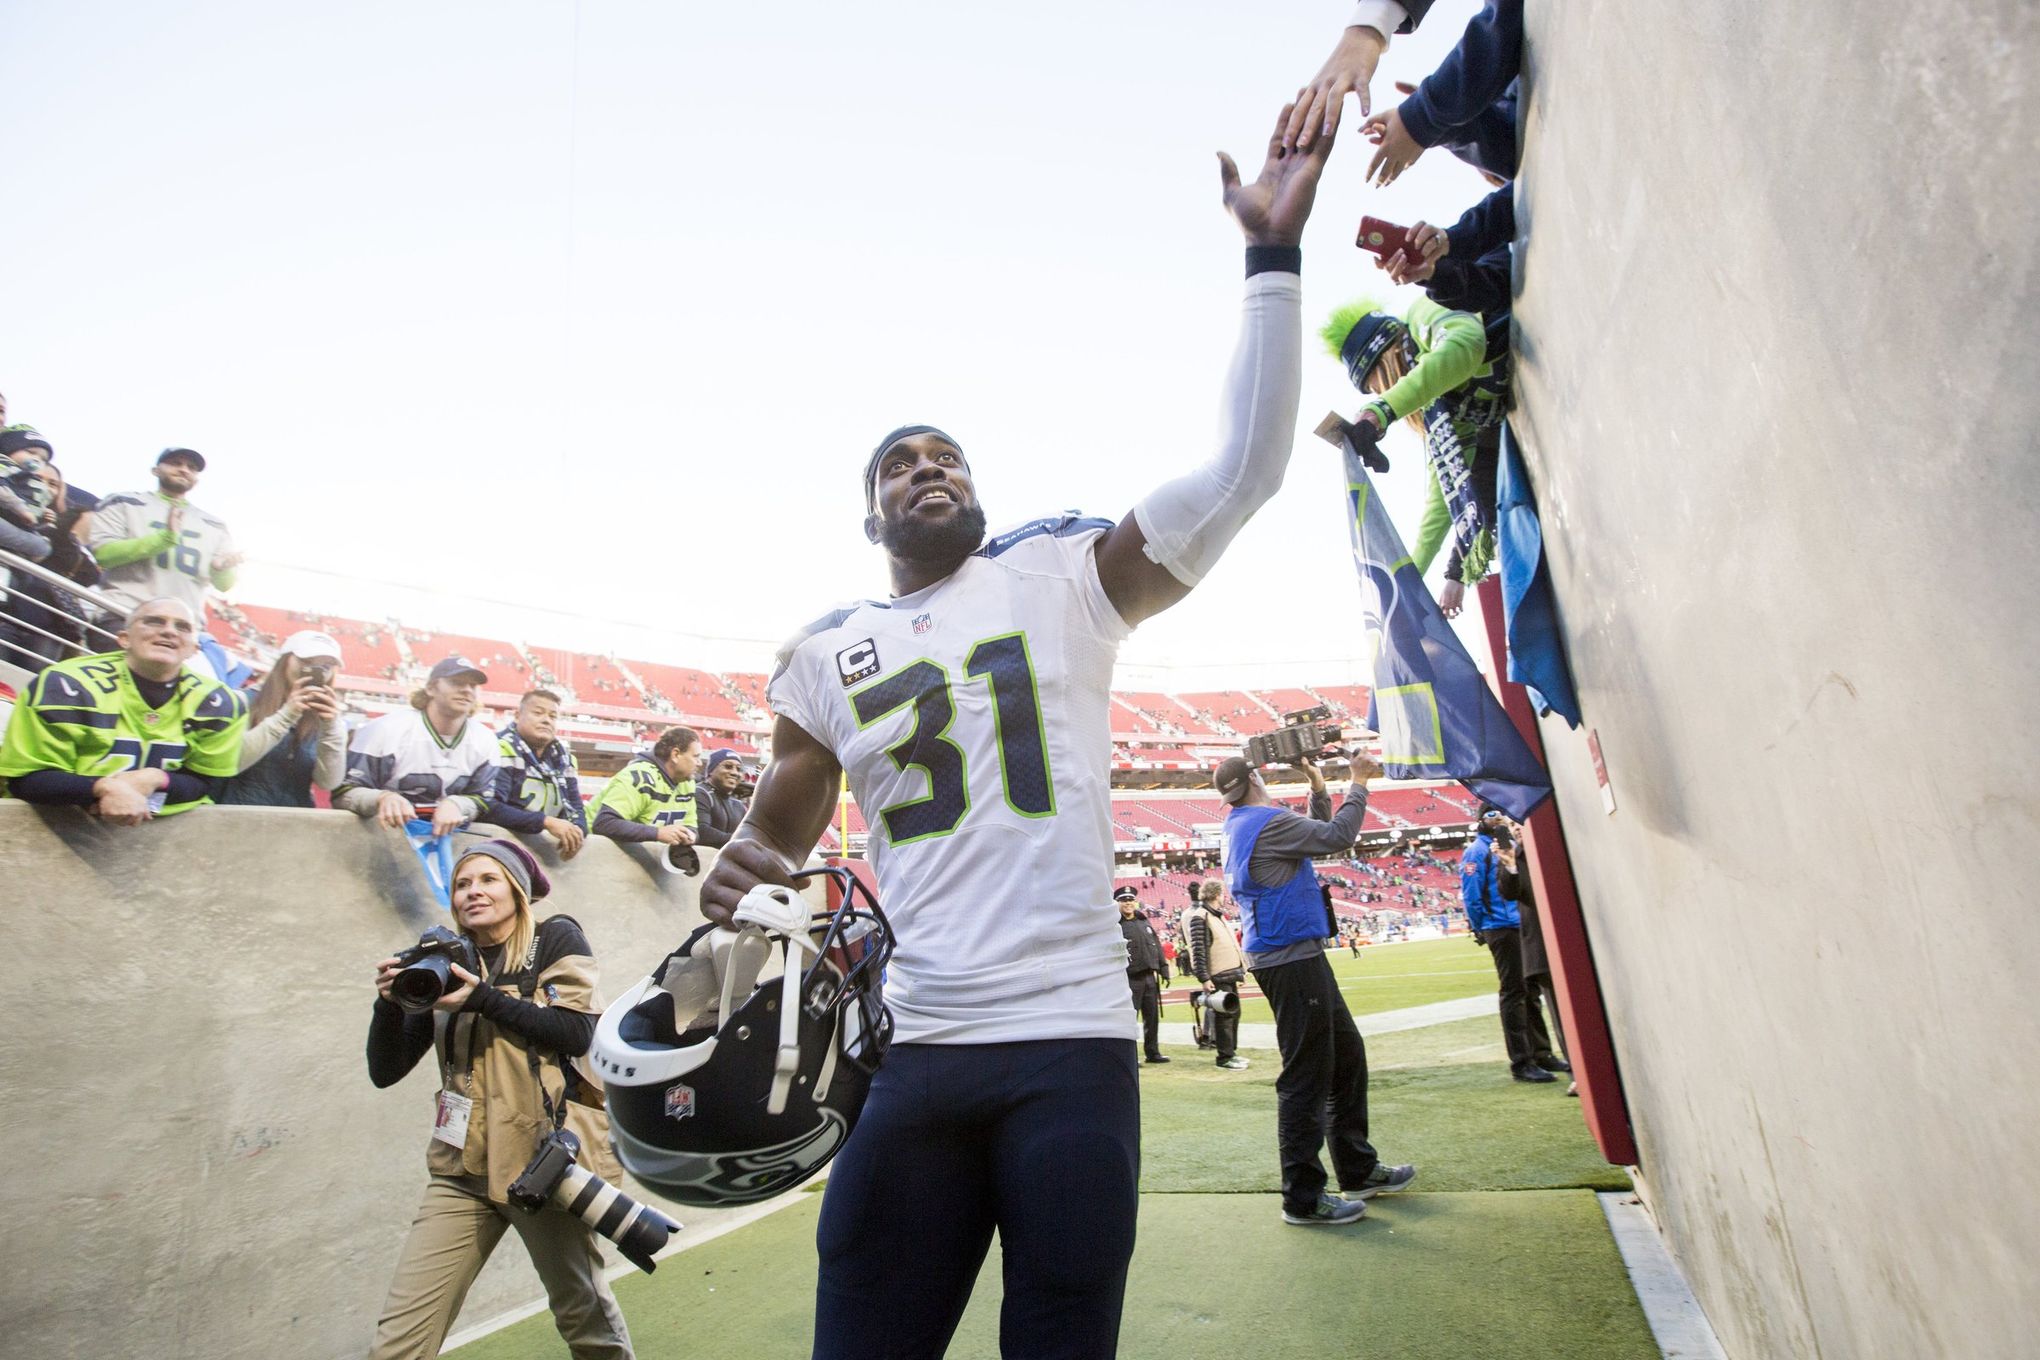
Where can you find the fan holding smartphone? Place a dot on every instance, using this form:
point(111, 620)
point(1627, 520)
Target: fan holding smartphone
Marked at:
point(296, 734)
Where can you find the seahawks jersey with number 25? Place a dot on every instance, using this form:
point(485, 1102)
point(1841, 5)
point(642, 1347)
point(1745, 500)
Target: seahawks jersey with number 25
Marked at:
point(85, 716)
point(973, 719)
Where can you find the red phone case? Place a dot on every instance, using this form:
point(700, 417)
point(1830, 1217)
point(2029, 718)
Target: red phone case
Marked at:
point(1385, 239)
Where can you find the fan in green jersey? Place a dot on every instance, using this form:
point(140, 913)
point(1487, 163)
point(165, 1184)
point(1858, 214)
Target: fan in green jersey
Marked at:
point(652, 798)
point(130, 734)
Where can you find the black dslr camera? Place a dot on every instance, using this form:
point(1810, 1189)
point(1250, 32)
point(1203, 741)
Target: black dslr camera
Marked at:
point(555, 1177)
point(1304, 735)
point(426, 969)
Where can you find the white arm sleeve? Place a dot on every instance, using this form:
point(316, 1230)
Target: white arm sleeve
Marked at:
point(1189, 521)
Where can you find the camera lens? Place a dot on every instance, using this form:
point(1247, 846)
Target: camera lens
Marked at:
point(414, 989)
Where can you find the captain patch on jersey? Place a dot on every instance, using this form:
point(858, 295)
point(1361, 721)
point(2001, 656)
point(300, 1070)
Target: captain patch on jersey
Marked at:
point(980, 753)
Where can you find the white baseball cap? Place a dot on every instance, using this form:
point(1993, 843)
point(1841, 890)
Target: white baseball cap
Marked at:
point(310, 644)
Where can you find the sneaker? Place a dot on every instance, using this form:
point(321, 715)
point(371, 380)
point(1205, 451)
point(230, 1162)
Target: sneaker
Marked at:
point(1532, 1074)
point(1163, 1057)
point(1234, 1064)
point(1554, 1064)
point(1330, 1209)
point(1382, 1180)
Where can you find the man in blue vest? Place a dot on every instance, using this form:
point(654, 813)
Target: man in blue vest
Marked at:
point(1321, 1095)
point(1497, 923)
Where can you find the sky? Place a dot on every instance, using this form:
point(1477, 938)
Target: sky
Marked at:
point(576, 322)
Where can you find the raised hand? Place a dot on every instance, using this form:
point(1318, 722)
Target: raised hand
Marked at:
point(1395, 150)
point(1347, 71)
point(1272, 210)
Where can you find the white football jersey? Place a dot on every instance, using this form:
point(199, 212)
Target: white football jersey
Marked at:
point(973, 721)
point(183, 572)
point(401, 753)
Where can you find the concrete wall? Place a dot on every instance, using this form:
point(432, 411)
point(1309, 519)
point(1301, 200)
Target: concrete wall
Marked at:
point(200, 1166)
point(1779, 386)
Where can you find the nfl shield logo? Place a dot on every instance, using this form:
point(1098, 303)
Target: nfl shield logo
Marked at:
point(679, 1102)
point(922, 623)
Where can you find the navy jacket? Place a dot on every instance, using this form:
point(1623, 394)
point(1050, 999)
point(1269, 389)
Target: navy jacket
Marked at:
point(1472, 76)
point(1489, 141)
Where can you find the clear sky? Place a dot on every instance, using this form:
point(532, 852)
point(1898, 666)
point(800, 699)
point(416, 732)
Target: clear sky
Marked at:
point(599, 308)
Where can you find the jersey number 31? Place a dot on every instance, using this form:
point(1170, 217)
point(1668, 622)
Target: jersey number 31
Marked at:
point(1004, 665)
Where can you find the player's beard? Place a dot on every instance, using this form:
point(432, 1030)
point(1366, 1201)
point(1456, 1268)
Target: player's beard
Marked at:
point(934, 542)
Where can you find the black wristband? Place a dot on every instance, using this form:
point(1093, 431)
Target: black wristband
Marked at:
point(1274, 260)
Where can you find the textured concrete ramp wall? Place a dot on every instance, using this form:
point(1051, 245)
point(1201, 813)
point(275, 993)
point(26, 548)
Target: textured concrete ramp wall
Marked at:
point(200, 1165)
point(1780, 382)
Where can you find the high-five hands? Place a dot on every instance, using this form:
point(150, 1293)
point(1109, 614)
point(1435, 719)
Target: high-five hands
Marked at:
point(1347, 71)
point(1272, 210)
point(1395, 150)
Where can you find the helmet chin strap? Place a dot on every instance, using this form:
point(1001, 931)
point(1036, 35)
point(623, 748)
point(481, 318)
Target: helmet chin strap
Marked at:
point(766, 911)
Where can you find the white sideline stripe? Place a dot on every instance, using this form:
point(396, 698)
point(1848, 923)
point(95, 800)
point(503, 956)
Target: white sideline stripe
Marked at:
point(1261, 1033)
point(681, 1241)
point(1681, 1329)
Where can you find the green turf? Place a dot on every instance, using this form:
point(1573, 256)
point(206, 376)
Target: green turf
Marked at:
point(1462, 1276)
point(1446, 1273)
point(1440, 1097)
point(1389, 977)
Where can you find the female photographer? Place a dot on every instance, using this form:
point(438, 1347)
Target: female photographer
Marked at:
point(505, 1042)
point(296, 736)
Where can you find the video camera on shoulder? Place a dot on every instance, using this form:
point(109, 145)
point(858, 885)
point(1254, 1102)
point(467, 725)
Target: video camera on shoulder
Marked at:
point(425, 970)
point(1304, 735)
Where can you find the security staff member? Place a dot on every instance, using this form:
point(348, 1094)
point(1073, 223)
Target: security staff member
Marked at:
point(1216, 960)
point(1322, 1093)
point(1145, 964)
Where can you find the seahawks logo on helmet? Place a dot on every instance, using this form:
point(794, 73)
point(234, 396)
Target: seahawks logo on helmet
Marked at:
point(737, 1070)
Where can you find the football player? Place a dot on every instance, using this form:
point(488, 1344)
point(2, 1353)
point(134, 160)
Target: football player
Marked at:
point(130, 734)
point(970, 712)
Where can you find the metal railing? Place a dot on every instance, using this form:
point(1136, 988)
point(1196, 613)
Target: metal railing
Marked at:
point(81, 605)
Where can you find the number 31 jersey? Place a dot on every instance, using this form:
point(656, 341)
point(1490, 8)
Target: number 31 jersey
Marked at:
point(973, 719)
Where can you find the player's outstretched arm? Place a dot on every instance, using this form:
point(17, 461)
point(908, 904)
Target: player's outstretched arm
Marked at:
point(1153, 557)
point(788, 814)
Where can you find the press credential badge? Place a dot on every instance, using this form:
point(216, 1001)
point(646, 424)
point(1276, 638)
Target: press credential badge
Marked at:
point(451, 1126)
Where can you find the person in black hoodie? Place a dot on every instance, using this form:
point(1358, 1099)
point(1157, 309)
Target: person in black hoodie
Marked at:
point(1514, 880)
point(1147, 970)
point(715, 798)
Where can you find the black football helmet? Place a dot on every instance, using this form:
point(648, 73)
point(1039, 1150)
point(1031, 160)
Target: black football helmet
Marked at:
point(723, 1089)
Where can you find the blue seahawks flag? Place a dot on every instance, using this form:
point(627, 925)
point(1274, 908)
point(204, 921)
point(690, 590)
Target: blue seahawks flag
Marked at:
point(435, 856)
point(1435, 713)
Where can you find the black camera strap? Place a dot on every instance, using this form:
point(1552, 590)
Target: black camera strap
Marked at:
point(528, 986)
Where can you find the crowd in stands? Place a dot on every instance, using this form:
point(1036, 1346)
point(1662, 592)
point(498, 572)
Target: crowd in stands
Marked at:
point(138, 733)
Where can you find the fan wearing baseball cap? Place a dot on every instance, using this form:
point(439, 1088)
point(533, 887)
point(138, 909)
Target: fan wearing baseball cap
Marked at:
point(1285, 917)
point(296, 735)
point(158, 544)
point(437, 760)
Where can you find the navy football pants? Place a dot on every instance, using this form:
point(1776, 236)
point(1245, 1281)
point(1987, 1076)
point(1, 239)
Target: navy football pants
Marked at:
point(1039, 1140)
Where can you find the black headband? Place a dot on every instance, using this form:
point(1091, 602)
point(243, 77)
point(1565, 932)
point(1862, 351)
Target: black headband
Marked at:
point(903, 432)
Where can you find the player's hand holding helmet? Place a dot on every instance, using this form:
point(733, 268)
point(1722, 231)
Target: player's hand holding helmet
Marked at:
point(729, 1082)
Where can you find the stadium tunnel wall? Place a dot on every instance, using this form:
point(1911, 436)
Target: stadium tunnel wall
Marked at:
point(206, 1169)
point(1777, 388)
